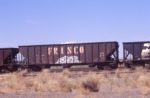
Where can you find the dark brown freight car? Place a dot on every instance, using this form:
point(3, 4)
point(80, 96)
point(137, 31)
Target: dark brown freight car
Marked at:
point(8, 59)
point(94, 54)
point(136, 53)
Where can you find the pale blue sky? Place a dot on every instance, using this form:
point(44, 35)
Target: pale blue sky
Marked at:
point(56, 21)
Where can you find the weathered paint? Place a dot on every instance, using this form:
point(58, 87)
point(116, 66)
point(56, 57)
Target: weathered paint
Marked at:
point(78, 53)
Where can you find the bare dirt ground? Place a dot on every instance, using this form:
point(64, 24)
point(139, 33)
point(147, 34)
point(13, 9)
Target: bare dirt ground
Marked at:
point(79, 84)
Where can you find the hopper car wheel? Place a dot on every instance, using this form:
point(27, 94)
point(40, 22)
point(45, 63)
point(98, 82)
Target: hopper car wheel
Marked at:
point(114, 66)
point(66, 66)
point(99, 67)
point(12, 68)
point(3, 69)
point(92, 65)
point(47, 66)
point(0, 70)
point(130, 66)
point(35, 68)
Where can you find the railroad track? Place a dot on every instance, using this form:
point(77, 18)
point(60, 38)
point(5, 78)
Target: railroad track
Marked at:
point(78, 72)
point(85, 71)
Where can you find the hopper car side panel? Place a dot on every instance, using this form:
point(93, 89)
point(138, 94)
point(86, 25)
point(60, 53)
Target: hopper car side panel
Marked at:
point(8, 59)
point(59, 54)
point(88, 53)
point(38, 55)
point(31, 53)
point(132, 53)
point(7, 55)
point(1, 57)
point(44, 55)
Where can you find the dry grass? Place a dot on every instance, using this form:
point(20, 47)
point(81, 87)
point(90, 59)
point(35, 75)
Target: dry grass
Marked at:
point(67, 81)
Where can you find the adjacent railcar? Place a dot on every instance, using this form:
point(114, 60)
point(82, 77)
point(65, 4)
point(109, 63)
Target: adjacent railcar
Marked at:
point(96, 54)
point(8, 58)
point(136, 53)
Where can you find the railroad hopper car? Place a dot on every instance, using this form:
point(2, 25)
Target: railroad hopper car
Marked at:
point(93, 54)
point(8, 59)
point(136, 53)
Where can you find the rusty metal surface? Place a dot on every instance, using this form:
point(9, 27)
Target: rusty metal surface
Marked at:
point(1, 57)
point(31, 55)
point(38, 55)
point(44, 55)
point(77, 53)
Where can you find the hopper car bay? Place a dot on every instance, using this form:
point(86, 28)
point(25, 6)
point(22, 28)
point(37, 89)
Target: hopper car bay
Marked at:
point(99, 54)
